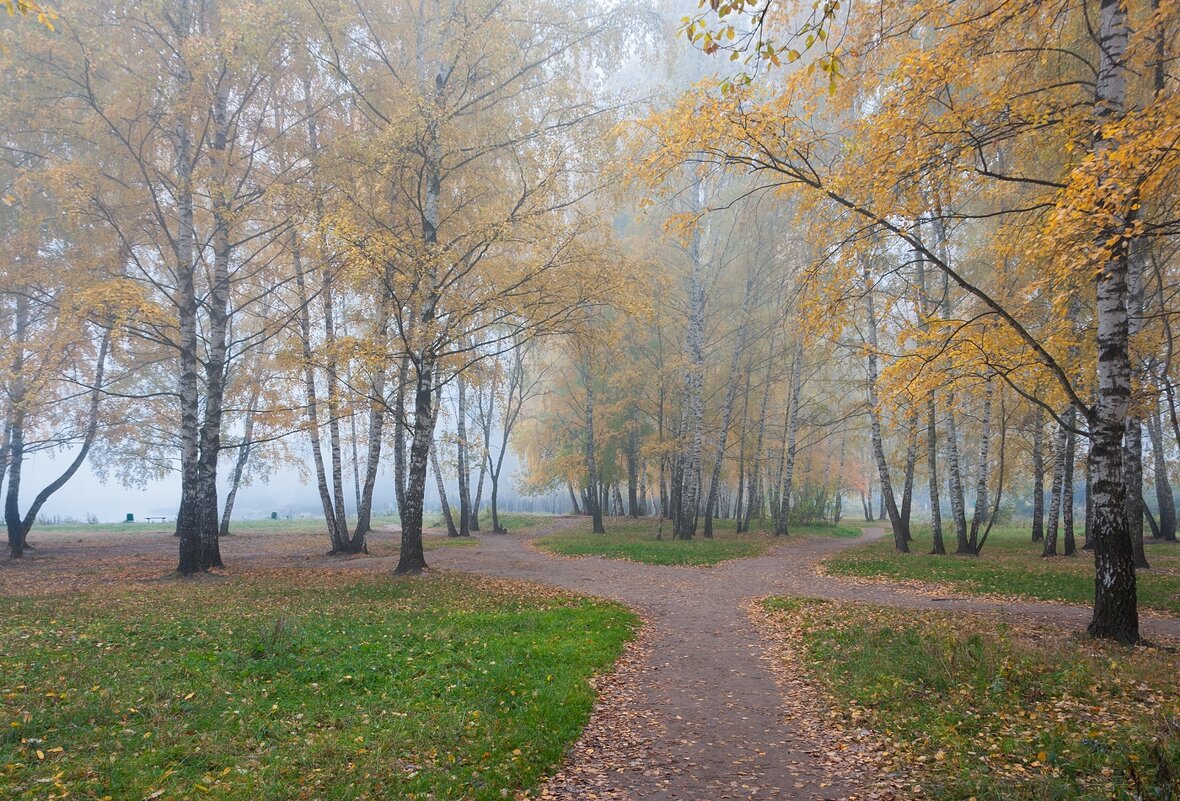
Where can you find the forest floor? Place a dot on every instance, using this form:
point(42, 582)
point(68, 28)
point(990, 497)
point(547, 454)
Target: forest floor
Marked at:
point(722, 696)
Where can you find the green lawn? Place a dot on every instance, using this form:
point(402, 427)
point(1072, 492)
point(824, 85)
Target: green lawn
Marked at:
point(635, 540)
point(333, 688)
point(515, 521)
point(1011, 565)
point(974, 709)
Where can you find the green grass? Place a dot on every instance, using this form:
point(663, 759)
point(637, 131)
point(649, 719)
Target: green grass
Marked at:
point(433, 543)
point(515, 521)
point(974, 709)
point(635, 540)
point(1012, 565)
point(442, 688)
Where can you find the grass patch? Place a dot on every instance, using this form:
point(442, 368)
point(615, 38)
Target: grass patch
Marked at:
point(434, 543)
point(635, 540)
point(441, 688)
point(1012, 565)
point(515, 521)
point(975, 709)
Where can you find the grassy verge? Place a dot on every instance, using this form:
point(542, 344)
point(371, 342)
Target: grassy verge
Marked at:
point(635, 540)
point(1012, 565)
point(974, 709)
point(441, 688)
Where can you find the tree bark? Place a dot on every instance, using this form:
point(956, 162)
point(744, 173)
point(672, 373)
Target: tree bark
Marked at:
point(1067, 486)
point(443, 505)
point(240, 463)
point(310, 392)
point(461, 456)
point(188, 519)
point(690, 484)
point(727, 409)
point(982, 473)
point(592, 495)
point(1056, 493)
point(1133, 459)
point(16, 428)
point(1163, 487)
point(1038, 466)
point(782, 526)
point(1116, 613)
point(900, 535)
point(938, 546)
point(955, 480)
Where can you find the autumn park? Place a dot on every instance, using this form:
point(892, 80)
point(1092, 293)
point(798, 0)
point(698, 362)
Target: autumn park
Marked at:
point(464, 400)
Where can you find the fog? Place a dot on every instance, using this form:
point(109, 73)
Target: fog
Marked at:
point(286, 493)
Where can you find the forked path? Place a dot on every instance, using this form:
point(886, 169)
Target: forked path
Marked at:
point(715, 726)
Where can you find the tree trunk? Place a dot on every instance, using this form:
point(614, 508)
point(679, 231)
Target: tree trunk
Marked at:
point(1116, 613)
point(16, 429)
point(309, 387)
point(1055, 494)
point(188, 520)
point(240, 463)
point(900, 535)
point(730, 396)
point(217, 304)
point(782, 525)
point(632, 455)
point(593, 501)
point(1067, 486)
point(412, 559)
point(911, 460)
point(955, 480)
point(1038, 466)
point(690, 485)
point(461, 456)
point(443, 506)
point(376, 430)
point(982, 473)
point(754, 501)
point(1133, 459)
point(1163, 487)
point(938, 546)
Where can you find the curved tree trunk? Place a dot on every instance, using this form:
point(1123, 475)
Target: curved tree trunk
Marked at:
point(900, 535)
point(982, 472)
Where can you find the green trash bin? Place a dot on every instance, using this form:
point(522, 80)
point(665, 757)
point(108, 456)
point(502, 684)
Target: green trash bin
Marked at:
point(130, 518)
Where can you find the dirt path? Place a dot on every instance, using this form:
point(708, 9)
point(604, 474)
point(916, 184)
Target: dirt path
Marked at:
point(714, 713)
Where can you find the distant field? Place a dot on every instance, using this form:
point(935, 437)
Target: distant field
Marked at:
point(298, 525)
point(635, 540)
point(345, 687)
point(1011, 565)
